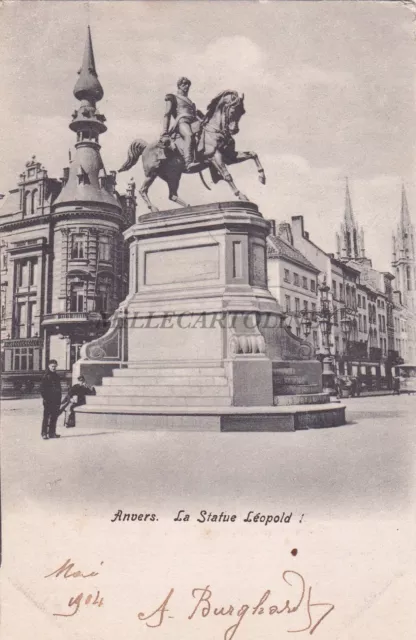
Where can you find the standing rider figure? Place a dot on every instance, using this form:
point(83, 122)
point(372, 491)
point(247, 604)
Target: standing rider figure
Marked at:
point(180, 107)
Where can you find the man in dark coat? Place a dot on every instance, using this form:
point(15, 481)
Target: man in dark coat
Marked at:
point(50, 390)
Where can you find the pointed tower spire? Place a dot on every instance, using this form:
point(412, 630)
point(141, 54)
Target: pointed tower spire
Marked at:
point(348, 213)
point(350, 242)
point(404, 214)
point(88, 87)
point(86, 181)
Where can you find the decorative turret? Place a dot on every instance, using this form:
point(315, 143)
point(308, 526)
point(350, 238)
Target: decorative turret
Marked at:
point(87, 180)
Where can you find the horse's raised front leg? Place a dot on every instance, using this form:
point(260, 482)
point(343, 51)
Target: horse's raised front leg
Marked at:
point(219, 164)
point(242, 156)
point(143, 192)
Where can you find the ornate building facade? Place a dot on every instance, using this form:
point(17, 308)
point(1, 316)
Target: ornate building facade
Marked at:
point(386, 307)
point(64, 267)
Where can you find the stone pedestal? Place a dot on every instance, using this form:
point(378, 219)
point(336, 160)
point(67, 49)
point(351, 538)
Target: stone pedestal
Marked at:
point(199, 334)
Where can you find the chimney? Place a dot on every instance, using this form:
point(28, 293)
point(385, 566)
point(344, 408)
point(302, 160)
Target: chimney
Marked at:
point(298, 229)
point(272, 224)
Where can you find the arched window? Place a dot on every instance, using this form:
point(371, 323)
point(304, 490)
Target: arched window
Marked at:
point(348, 243)
point(78, 249)
point(355, 243)
point(26, 203)
point(33, 202)
point(408, 279)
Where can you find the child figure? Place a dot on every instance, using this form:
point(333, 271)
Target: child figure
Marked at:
point(75, 398)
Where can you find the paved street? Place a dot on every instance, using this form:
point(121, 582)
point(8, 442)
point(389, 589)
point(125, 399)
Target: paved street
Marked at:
point(348, 488)
point(366, 463)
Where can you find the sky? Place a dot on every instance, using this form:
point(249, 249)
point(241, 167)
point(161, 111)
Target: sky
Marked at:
point(329, 93)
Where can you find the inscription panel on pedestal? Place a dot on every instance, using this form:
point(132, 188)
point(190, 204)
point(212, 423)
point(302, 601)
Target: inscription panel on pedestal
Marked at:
point(258, 264)
point(182, 264)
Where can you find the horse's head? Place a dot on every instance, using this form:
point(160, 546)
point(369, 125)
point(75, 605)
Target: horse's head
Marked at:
point(233, 110)
point(228, 107)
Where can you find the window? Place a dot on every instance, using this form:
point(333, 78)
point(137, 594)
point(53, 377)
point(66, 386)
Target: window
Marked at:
point(363, 302)
point(21, 320)
point(408, 279)
point(336, 344)
point(298, 332)
point(33, 201)
point(287, 304)
point(297, 305)
point(102, 298)
point(296, 279)
point(315, 339)
point(305, 305)
point(365, 324)
point(313, 311)
point(23, 359)
point(313, 285)
point(78, 246)
point(359, 301)
point(104, 248)
point(4, 259)
point(360, 323)
point(26, 272)
point(334, 288)
point(26, 203)
point(25, 319)
point(305, 282)
point(286, 277)
point(31, 319)
point(341, 292)
point(77, 297)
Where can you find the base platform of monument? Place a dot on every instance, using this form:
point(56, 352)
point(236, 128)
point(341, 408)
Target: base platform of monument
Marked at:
point(199, 418)
point(200, 343)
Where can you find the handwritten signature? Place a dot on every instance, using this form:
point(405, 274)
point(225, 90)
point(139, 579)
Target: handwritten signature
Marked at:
point(301, 602)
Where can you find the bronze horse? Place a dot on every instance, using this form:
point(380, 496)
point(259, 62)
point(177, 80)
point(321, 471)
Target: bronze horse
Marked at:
point(215, 148)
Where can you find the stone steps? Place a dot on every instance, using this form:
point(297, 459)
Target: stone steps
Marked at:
point(195, 390)
point(112, 401)
point(292, 379)
point(287, 371)
point(155, 372)
point(307, 398)
point(163, 380)
point(297, 389)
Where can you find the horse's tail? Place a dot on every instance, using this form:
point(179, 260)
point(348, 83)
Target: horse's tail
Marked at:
point(135, 151)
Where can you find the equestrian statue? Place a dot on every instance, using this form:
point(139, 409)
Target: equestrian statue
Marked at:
point(195, 142)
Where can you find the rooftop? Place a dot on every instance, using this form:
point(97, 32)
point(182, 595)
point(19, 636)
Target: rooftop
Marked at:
point(278, 248)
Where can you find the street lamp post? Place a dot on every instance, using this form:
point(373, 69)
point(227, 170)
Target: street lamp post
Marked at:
point(324, 318)
point(325, 324)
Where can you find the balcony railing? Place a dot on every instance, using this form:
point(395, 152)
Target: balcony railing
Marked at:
point(65, 316)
